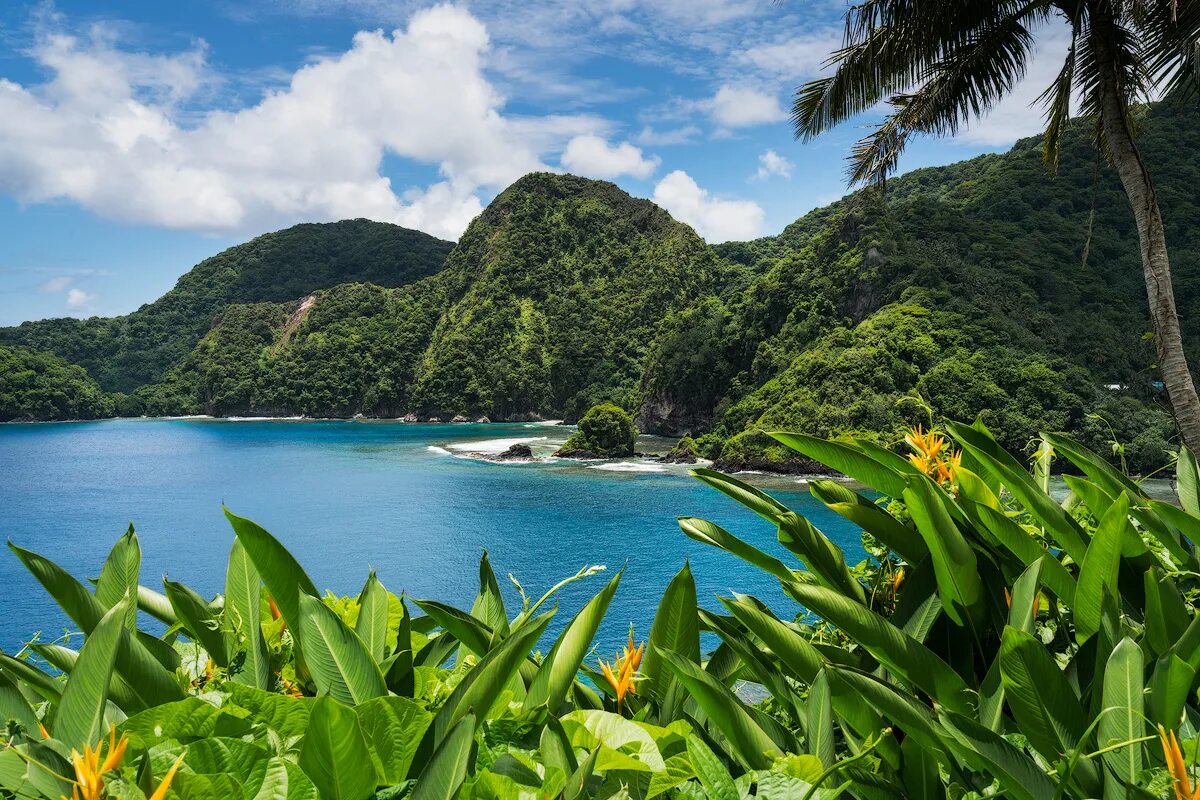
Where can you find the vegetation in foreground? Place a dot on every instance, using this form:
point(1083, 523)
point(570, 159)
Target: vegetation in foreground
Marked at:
point(996, 643)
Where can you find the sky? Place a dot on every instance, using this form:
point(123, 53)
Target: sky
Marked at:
point(138, 137)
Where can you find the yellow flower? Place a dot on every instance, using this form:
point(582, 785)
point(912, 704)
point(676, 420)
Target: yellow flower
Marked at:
point(932, 456)
point(161, 792)
point(621, 673)
point(89, 769)
point(1177, 766)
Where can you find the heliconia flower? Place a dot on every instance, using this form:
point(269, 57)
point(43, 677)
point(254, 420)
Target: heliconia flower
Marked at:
point(161, 792)
point(621, 673)
point(897, 579)
point(89, 770)
point(1177, 766)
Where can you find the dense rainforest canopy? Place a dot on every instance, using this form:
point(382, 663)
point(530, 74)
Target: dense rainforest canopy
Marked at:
point(984, 284)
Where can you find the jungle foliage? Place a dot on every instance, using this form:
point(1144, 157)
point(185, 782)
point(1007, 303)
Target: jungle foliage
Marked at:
point(605, 430)
point(997, 642)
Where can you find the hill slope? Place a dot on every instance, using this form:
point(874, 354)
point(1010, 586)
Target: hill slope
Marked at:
point(123, 353)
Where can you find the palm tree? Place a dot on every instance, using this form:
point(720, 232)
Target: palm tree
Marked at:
point(941, 63)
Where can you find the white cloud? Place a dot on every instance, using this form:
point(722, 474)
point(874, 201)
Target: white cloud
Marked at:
point(742, 107)
point(594, 157)
point(55, 285)
point(684, 135)
point(794, 58)
point(771, 163)
point(107, 131)
point(715, 219)
point(79, 300)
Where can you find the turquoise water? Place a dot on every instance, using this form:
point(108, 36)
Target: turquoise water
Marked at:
point(348, 496)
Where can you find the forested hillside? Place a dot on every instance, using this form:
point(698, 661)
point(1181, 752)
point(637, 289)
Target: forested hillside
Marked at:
point(985, 284)
point(123, 353)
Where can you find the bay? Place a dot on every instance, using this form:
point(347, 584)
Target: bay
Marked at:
point(346, 496)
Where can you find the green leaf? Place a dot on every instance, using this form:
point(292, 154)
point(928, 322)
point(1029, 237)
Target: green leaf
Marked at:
point(871, 518)
point(704, 531)
point(714, 777)
point(156, 605)
point(1170, 683)
point(757, 501)
point(1020, 776)
point(80, 714)
point(1098, 574)
point(559, 668)
point(1122, 719)
point(1187, 482)
point(954, 565)
point(1018, 541)
point(750, 743)
point(448, 766)
point(1042, 701)
point(892, 647)
point(393, 727)
point(846, 459)
point(489, 603)
point(198, 620)
point(287, 716)
point(22, 673)
point(337, 659)
point(119, 576)
point(243, 618)
point(820, 720)
point(823, 558)
point(1167, 614)
point(372, 624)
point(14, 706)
point(279, 570)
point(577, 784)
point(64, 659)
point(474, 634)
point(335, 755)
point(676, 628)
point(802, 660)
point(902, 710)
point(478, 690)
point(1008, 471)
point(182, 721)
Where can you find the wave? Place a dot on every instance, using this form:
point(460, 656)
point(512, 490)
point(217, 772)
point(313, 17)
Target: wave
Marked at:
point(433, 448)
point(493, 446)
point(628, 466)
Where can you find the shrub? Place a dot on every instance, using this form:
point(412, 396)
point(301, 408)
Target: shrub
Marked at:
point(605, 430)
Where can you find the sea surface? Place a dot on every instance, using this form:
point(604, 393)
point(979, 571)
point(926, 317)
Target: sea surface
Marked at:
point(409, 501)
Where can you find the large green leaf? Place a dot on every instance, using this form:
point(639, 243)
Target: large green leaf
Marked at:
point(819, 728)
point(119, 576)
point(198, 620)
point(79, 717)
point(1187, 482)
point(156, 605)
point(467, 629)
point(285, 579)
point(478, 690)
point(1042, 701)
point(752, 746)
point(287, 716)
point(1098, 574)
point(796, 652)
point(1170, 684)
point(243, 619)
point(871, 518)
point(1020, 777)
point(559, 668)
point(757, 501)
point(372, 624)
point(64, 660)
point(489, 603)
point(1008, 471)
point(1167, 615)
point(823, 558)
point(393, 727)
point(335, 755)
point(959, 584)
point(181, 721)
point(448, 766)
point(337, 659)
point(714, 777)
point(676, 628)
point(14, 706)
point(846, 459)
point(1123, 719)
point(900, 652)
point(1018, 541)
point(709, 533)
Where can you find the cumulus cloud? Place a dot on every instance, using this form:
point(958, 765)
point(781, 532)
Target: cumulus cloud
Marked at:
point(110, 130)
point(594, 157)
point(715, 219)
point(55, 285)
point(79, 300)
point(771, 163)
point(742, 107)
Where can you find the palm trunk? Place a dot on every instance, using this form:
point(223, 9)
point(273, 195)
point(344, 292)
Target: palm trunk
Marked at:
point(1135, 178)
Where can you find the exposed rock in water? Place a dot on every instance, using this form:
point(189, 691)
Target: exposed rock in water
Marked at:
point(684, 452)
point(433, 419)
point(483, 419)
point(458, 418)
point(575, 452)
point(411, 417)
point(517, 452)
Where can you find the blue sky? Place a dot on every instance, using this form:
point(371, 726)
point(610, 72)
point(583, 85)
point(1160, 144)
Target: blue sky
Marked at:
point(138, 137)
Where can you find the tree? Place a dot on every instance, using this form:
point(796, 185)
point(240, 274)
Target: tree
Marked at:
point(943, 62)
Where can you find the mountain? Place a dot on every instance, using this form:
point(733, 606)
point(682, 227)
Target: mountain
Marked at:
point(985, 285)
point(123, 353)
point(551, 302)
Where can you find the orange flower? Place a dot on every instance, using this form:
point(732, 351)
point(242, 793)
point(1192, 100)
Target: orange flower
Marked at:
point(897, 579)
point(621, 674)
point(89, 769)
point(161, 792)
point(1177, 766)
point(932, 455)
